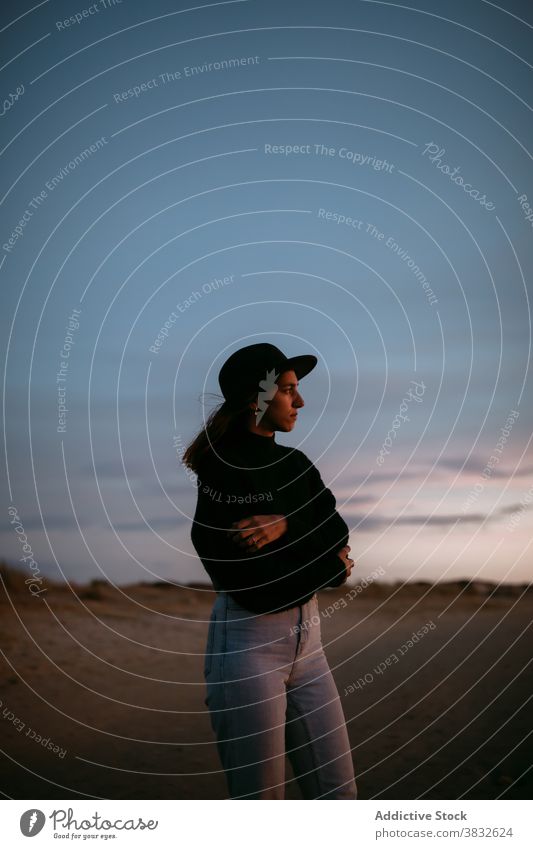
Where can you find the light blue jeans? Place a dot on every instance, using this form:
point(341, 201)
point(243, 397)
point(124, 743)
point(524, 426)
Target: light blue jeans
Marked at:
point(270, 692)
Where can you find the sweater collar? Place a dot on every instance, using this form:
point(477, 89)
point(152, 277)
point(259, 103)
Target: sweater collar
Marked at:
point(250, 445)
point(252, 438)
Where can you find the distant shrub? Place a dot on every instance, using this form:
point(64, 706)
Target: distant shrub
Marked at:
point(12, 579)
point(92, 594)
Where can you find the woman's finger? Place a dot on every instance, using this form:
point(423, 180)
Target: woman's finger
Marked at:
point(250, 542)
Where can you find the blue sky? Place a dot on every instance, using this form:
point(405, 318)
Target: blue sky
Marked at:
point(291, 173)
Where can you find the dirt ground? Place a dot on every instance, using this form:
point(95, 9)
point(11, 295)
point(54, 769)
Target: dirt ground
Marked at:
point(102, 691)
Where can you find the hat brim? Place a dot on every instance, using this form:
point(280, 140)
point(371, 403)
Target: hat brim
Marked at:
point(301, 365)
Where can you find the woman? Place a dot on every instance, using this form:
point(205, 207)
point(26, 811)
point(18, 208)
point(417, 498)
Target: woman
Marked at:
point(268, 534)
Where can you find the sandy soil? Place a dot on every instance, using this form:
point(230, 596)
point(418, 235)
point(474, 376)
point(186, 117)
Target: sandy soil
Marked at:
point(102, 691)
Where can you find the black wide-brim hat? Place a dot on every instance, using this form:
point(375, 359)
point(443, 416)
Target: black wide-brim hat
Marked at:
point(244, 369)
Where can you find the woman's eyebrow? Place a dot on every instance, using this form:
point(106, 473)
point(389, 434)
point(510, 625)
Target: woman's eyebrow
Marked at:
point(284, 385)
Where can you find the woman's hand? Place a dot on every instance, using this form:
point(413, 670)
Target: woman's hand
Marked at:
point(348, 562)
point(254, 532)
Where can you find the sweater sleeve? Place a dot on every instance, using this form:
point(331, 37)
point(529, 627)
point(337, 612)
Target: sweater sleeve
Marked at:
point(221, 501)
point(222, 494)
point(323, 531)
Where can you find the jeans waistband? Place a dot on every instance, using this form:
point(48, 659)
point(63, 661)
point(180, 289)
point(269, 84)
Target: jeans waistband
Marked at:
point(307, 606)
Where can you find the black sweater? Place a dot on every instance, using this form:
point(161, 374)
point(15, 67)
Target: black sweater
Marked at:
point(249, 474)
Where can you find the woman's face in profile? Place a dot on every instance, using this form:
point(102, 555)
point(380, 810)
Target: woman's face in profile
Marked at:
point(283, 408)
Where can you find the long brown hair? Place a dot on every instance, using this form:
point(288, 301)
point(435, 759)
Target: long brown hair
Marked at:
point(224, 419)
